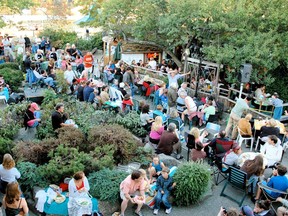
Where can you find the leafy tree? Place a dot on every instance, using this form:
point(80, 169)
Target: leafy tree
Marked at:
point(231, 32)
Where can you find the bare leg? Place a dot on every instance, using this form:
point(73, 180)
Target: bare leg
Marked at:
point(152, 172)
point(139, 206)
point(281, 211)
point(124, 205)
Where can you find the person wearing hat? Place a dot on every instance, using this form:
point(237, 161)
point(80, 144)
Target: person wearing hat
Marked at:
point(278, 104)
point(32, 116)
point(127, 102)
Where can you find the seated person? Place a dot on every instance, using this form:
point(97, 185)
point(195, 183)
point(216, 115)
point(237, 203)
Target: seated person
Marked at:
point(197, 153)
point(127, 102)
point(59, 119)
point(262, 207)
point(43, 76)
point(190, 107)
point(4, 91)
point(181, 101)
point(245, 126)
point(194, 136)
point(155, 168)
point(159, 112)
point(254, 169)
point(133, 185)
point(174, 115)
point(208, 110)
point(104, 94)
point(32, 116)
point(269, 129)
point(146, 120)
point(169, 142)
point(156, 130)
point(279, 182)
point(121, 88)
point(282, 211)
point(231, 157)
point(272, 150)
point(221, 144)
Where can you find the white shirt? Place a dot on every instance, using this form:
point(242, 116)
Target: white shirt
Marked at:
point(69, 76)
point(272, 153)
point(73, 192)
point(9, 175)
point(6, 44)
point(152, 64)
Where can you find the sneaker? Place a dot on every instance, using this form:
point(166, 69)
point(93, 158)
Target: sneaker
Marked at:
point(139, 213)
point(155, 212)
point(168, 211)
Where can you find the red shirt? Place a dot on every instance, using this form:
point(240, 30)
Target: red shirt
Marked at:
point(81, 186)
point(88, 61)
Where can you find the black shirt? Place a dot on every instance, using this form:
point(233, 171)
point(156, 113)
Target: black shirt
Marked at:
point(27, 63)
point(80, 93)
point(53, 55)
point(266, 131)
point(57, 120)
point(29, 115)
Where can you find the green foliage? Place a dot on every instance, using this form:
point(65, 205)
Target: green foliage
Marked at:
point(103, 157)
point(61, 82)
point(104, 184)
point(12, 77)
point(192, 181)
point(115, 135)
point(59, 38)
point(30, 176)
point(91, 43)
point(5, 145)
point(131, 121)
point(11, 65)
point(65, 161)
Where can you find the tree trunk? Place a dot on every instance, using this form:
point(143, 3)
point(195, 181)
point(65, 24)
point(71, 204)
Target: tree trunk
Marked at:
point(175, 59)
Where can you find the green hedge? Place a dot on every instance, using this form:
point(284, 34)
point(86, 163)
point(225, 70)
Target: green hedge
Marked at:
point(12, 77)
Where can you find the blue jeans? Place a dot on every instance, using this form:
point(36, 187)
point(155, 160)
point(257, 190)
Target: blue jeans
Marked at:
point(37, 115)
point(162, 198)
point(133, 89)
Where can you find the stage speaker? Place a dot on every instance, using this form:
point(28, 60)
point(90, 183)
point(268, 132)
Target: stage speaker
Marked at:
point(245, 73)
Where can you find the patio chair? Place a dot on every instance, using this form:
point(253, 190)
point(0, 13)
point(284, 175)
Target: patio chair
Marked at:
point(238, 180)
point(274, 204)
point(212, 129)
point(240, 139)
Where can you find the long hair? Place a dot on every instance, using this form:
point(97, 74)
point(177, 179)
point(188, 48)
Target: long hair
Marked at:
point(8, 162)
point(12, 193)
point(255, 166)
point(195, 132)
point(157, 124)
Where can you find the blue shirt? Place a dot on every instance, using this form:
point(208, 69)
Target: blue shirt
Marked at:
point(158, 166)
point(86, 93)
point(159, 113)
point(278, 183)
point(277, 102)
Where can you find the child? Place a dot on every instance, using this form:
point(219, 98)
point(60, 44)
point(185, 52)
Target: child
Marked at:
point(155, 168)
point(164, 185)
point(146, 181)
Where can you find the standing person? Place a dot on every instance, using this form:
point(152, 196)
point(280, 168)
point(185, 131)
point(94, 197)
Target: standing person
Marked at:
point(152, 64)
point(32, 116)
point(235, 115)
point(133, 185)
point(278, 104)
point(58, 117)
point(42, 44)
point(88, 63)
point(6, 44)
point(173, 77)
point(172, 97)
point(8, 172)
point(128, 79)
point(13, 203)
point(164, 186)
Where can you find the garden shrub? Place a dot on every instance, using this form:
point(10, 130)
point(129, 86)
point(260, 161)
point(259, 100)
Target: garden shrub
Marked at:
point(103, 157)
point(64, 162)
point(30, 176)
point(72, 137)
point(11, 65)
point(132, 122)
point(6, 145)
point(104, 184)
point(117, 136)
point(12, 77)
point(94, 41)
point(192, 181)
point(35, 151)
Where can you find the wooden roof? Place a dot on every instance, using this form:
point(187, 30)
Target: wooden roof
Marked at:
point(139, 48)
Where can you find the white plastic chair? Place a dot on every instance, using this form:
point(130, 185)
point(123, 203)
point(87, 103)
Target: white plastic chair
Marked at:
point(240, 139)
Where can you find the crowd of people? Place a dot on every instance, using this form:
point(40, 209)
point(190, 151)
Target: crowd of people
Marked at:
point(173, 103)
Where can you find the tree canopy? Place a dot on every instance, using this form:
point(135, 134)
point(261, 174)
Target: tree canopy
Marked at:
point(232, 31)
